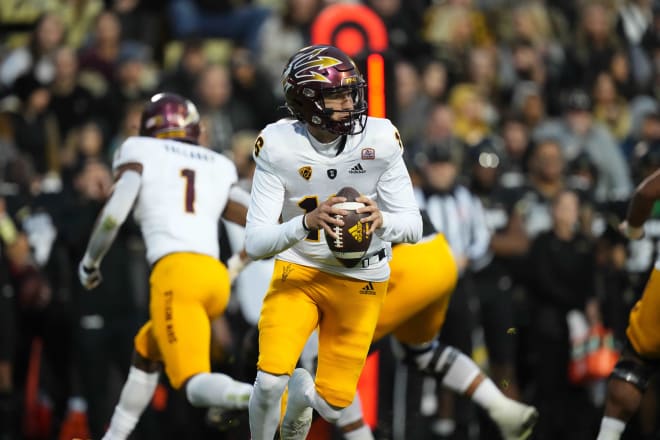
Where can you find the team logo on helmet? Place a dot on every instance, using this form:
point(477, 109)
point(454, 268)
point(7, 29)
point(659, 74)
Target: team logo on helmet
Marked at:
point(308, 65)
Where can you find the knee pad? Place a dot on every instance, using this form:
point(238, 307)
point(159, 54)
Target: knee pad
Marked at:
point(433, 358)
point(269, 387)
point(637, 374)
point(412, 355)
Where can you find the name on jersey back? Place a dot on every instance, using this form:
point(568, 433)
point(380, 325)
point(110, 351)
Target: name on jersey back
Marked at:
point(192, 153)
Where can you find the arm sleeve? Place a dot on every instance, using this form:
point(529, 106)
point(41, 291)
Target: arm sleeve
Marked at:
point(264, 235)
point(402, 222)
point(112, 216)
point(239, 195)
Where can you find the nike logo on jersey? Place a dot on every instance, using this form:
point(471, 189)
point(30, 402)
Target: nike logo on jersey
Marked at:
point(357, 169)
point(368, 289)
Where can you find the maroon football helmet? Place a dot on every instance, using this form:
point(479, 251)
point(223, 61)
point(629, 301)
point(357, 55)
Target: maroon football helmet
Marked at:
point(316, 71)
point(170, 116)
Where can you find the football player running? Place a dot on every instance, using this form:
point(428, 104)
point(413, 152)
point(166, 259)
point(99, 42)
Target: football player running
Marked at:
point(639, 360)
point(328, 144)
point(179, 190)
point(423, 277)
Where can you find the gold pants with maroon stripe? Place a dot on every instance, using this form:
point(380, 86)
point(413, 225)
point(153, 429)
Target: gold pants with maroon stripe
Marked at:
point(345, 310)
point(187, 292)
point(644, 324)
point(422, 279)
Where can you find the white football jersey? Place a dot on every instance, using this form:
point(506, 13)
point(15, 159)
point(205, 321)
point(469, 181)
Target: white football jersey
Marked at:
point(292, 178)
point(184, 191)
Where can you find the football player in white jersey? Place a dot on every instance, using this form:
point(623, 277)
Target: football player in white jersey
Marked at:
point(178, 191)
point(329, 143)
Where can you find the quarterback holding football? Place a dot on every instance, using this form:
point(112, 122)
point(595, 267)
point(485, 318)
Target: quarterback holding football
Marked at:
point(302, 162)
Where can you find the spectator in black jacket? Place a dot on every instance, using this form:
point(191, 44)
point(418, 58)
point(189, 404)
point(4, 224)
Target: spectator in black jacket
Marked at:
point(562, 261)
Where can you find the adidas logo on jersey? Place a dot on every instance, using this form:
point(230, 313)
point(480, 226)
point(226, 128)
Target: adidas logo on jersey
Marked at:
point(357, 169)
point(368, 289)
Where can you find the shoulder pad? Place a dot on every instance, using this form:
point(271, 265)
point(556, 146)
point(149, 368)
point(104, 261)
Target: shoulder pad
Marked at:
point(385, 136)
point(133, 150)
point(275, 143)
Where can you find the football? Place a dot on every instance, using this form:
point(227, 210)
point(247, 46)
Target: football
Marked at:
point(352, 240)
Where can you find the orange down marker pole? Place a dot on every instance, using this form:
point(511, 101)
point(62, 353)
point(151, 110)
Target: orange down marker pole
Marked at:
point(368, 384)
point(376, 84)
point(355, 29)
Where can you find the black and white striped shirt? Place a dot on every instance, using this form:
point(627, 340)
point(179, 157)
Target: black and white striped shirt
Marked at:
point(459, 215)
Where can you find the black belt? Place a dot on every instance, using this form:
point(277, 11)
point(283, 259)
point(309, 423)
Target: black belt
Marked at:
point(374, 258)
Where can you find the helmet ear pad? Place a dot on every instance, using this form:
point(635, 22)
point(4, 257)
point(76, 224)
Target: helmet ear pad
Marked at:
point(312, 73)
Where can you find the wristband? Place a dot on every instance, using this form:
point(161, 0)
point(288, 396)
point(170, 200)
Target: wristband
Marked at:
point(305, 224)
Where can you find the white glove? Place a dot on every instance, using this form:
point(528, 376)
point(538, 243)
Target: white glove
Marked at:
point(235, 266)
point(90, 277)
point(631, 232)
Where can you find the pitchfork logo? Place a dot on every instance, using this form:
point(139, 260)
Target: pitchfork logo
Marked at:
point(308, 65)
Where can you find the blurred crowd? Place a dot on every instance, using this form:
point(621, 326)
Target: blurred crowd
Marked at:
point(546, 112)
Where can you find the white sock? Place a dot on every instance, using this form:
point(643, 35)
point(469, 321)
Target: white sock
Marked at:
point(611, 429)
point(328, 412)
point(216, 389)
point(265, 405)
point(487, 395)
point(352, 413)
point(135, 396)
point(461, 373)
point(362, 433)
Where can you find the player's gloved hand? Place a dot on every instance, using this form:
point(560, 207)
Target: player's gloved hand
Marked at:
point(236, 264)
point(90, 277)
point(631, 232)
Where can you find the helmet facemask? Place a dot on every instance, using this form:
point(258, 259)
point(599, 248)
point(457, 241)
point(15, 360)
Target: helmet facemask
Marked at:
point(351, 121)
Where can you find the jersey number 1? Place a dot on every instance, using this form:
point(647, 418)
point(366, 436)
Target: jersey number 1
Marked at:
point(189, 175)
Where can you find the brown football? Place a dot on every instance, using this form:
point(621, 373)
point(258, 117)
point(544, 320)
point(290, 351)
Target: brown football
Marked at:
point(352, 240)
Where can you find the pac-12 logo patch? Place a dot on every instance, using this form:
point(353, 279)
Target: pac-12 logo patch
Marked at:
point(305, 172)
point(332, 173)
point(368, 154)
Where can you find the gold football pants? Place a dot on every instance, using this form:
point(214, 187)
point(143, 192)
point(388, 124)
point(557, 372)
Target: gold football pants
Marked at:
point(345, 310)
point(187, 291)
point(422, 279)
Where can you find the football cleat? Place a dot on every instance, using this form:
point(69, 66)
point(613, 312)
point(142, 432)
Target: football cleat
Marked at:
point(515, 420)
point(298, 416)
